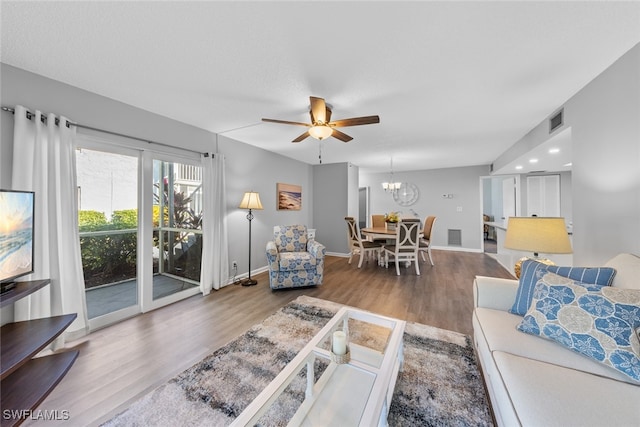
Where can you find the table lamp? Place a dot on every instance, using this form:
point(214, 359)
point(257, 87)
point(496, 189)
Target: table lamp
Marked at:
point(537, 234)
point(250, 200)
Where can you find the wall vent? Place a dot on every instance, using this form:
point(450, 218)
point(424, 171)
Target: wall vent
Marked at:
point(556, 121)
point(454, 237)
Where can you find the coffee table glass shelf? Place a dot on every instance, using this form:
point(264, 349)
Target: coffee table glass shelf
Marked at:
point(356, 393)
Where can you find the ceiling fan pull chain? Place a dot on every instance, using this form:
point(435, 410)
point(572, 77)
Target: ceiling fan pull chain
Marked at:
point(320, 151)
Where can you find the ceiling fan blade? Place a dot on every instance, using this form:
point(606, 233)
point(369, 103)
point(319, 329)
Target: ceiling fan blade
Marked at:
point(356, 121)
point(301, 137)
point(328, 115)
point(286, 122)
point(341, 136)
point(318, 109)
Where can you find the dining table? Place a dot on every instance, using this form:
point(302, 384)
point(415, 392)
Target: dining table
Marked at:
point(383, 233)
point(379, 233)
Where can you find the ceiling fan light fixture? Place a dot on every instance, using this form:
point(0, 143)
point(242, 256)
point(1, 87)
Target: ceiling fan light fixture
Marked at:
point(320, 132)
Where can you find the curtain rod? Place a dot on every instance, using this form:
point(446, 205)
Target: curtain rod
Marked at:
point(78, 125)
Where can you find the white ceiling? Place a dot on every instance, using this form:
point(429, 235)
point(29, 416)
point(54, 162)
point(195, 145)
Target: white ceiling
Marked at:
point(454, 83)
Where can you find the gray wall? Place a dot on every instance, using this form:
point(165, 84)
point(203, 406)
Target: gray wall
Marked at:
point(605, 127)
point(252, 169)
point(463, 183)
point(247, 167)
point(331, 194)
point(50, 96)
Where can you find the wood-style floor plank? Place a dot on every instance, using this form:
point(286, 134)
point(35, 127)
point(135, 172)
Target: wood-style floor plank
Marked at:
point(120, 363)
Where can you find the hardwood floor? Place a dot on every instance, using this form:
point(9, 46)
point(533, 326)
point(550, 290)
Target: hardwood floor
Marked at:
point(120, 363)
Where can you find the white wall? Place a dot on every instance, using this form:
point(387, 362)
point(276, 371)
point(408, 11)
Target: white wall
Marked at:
point(604, 118)
point(463, 183)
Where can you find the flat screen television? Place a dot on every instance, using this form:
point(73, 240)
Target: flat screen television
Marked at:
point(17, 210)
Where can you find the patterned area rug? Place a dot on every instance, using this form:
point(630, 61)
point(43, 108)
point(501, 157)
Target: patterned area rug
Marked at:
point(439, 386)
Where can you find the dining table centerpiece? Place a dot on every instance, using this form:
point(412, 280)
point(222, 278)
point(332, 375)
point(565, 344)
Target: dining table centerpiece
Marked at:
point(391, 220)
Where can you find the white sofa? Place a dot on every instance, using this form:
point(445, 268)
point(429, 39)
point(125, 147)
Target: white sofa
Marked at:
point(532, 381)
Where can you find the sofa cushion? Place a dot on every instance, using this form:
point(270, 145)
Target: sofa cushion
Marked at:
point(499, 329)
point(543, 394)
point(628, 271)
point(532, 271)
point(599, 323)
point(290, 261)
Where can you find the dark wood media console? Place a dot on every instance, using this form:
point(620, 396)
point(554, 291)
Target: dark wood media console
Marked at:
point(25, 380)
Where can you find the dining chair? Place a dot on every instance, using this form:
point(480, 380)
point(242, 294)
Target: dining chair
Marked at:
point(406, 246)
point(359, 246)
point(377, 220)
point(425, 240)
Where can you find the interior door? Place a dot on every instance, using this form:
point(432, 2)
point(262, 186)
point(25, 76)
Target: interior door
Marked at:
point(543, 195)
point(508, 198)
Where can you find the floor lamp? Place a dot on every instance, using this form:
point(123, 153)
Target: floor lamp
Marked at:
point(250, 200)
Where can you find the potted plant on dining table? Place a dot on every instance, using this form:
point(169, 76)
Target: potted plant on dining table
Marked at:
point(391, 220)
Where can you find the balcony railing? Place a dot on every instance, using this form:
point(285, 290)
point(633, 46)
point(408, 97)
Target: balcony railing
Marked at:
point(187, 173)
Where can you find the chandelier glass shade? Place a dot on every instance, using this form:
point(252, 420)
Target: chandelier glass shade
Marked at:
point(391, 186)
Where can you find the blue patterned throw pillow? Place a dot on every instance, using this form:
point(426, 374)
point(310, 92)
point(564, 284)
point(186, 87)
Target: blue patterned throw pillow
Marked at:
point(531, 271)
point(599, 322)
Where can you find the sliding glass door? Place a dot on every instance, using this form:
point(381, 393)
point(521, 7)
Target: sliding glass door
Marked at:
point(140, 221)
point(108, 187)
point(177, 226)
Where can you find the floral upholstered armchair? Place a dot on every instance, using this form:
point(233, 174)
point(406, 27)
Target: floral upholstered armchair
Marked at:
point(294, 260)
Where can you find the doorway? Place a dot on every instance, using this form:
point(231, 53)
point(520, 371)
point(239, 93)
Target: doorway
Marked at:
point(500, 197)
point(363, 207)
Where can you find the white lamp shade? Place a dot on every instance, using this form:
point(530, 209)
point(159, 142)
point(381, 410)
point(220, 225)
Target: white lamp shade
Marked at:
point(538, 234)
point(251, 200)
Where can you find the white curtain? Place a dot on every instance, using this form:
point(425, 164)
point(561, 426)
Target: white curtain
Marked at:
point(44, 162)
point(214, 273)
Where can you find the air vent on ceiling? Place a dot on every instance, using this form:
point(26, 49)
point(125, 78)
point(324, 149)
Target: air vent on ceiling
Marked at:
point(556, 121)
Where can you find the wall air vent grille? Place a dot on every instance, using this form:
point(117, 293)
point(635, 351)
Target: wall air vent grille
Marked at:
point(556, 121)
point(454, 237)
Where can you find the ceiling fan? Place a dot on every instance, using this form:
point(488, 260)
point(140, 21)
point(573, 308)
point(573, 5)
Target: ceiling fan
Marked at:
point(321, 126)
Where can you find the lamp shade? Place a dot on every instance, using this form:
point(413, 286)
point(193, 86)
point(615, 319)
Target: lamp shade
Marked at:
point(538, 234)
point(251, 200)
point(320, 132)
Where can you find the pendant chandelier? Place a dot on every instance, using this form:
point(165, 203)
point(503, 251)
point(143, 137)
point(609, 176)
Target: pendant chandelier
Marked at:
point(391, 186)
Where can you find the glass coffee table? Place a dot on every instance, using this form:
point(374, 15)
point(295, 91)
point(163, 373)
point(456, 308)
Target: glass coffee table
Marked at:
point(315, 390)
